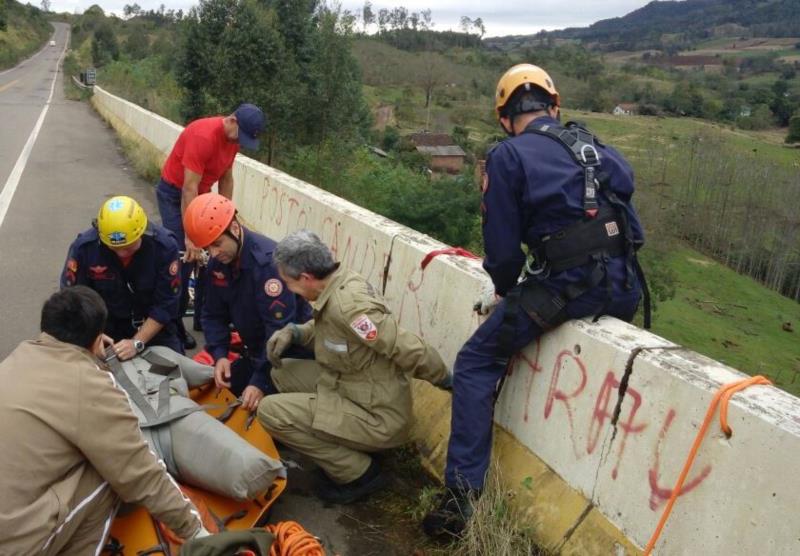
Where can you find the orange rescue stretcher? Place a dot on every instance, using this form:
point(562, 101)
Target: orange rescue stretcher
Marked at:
point(136, 533)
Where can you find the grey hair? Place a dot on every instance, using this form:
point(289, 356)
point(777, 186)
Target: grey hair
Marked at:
point(303, 251)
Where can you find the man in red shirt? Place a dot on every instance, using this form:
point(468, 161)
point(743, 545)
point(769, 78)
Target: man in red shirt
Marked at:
point(202, 155)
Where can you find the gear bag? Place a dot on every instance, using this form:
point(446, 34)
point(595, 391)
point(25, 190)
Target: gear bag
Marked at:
point(196, 448)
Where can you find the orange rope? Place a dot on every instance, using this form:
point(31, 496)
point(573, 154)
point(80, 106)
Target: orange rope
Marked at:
point(292, 540)
point(724, 395)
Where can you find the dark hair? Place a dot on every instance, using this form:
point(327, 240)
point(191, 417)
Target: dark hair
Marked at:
point(532, 100)
point(75, 315)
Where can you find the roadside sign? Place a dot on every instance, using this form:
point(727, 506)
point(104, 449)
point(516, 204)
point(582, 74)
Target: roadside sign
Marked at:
point(91, 76)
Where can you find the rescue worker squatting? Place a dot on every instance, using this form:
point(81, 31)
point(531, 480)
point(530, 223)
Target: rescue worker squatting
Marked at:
point(133, 264)
point(567, 196)
point(355, 399)
point(73, 448)
point(245, 290)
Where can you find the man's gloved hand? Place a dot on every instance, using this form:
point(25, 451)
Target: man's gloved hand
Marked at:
point(487, 300)
point(278, 343)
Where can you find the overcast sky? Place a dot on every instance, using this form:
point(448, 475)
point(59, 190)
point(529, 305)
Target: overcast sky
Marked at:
point(509, 17)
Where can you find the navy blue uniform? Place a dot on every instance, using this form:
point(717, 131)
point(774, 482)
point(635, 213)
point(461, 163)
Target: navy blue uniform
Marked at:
point(149, 286)
point(250, 295)
point(534, 188)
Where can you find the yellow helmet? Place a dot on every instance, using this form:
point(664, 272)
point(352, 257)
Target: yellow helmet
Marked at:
point(121, 221)
point(519, 76)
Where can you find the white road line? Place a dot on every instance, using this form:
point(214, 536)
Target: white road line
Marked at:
point(13, 179)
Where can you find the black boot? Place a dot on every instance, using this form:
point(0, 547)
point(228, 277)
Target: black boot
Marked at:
point(373, 480)
point(453, 510)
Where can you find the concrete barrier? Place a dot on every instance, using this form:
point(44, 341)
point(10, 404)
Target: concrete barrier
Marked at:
point(587, 484)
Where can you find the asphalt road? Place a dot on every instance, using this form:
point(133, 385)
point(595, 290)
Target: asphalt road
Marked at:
point(73, 165)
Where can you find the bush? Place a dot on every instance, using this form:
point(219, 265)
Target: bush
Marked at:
point(794, 129)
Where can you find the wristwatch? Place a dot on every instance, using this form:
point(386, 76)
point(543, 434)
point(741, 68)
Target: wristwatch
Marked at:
point(138, 345)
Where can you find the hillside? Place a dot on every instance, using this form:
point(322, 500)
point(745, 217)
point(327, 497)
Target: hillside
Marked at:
point(23, 30)
point(660, 23)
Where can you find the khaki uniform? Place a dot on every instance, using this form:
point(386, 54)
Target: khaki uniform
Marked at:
point(356, 396)
point(71, 449)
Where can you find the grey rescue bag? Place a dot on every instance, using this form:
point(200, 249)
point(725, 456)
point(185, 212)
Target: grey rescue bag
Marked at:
point(196, 448)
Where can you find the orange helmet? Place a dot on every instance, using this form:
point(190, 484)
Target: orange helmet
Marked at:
point(523, 75)
point(207, 217)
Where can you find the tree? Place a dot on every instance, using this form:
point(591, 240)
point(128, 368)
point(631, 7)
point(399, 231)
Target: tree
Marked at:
point(137, 46)
point(794, 129)
point(477, 23)
point(104, 45)
point(465, 24)
point(45, 5)
point(131, 10)
point(383, 19)
point(367, 15)
point(427, 19)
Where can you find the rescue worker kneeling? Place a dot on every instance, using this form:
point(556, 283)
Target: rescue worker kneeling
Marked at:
point(355, 398)
point(72, 447)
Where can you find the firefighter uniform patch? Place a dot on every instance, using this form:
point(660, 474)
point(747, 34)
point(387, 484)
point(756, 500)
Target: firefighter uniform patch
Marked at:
point(173, 268)
point(72, 265)
point(365, 328)
point(273, 287)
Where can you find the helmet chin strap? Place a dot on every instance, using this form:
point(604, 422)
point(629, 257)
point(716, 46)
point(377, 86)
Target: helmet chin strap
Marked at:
point(239, 240)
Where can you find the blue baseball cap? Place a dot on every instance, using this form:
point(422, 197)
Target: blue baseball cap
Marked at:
point(252, 122)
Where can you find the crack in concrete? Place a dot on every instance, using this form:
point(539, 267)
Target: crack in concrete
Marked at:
point(387, 265)
point(574, 527)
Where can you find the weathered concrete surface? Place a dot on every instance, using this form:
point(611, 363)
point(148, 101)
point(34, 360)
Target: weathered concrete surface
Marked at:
point(588, 486)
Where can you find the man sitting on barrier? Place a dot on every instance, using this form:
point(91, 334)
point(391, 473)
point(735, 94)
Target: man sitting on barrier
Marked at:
point(72, 448)
point(356, 397)
point(133, 265)
point(567, 196)
point(243, 290)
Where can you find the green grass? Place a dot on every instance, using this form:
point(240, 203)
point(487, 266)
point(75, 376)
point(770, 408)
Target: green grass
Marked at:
point(732, 319)
point(628, 132)
point(26, 32)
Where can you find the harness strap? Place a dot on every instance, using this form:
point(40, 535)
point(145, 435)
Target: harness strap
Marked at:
point(580, 144)
point(505, 338)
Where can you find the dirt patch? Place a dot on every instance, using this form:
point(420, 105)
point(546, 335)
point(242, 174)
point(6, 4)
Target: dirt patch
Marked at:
point(384, 115)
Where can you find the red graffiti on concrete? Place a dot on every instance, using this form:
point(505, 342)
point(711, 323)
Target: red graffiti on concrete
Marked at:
point(283, 205)
point(533, 367)
point(658, 494)
point(602, 413)
point(555, 393)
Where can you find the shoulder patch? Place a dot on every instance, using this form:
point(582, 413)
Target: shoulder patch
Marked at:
point(365, 328)
point(72, 265)
point(273, 287)
point(173, 268)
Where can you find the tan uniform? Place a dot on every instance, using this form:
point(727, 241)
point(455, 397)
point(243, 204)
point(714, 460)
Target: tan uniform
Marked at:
point(71, 448)
point(356, 396)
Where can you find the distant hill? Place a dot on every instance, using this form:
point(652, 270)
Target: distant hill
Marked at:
point(23, 30)
point(660, 24)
